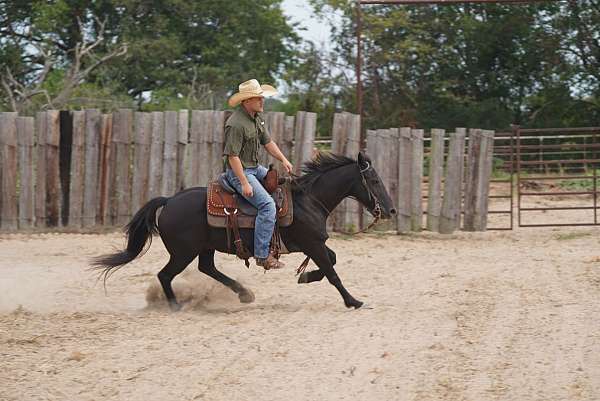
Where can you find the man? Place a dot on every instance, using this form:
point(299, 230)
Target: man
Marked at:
point(244, 131)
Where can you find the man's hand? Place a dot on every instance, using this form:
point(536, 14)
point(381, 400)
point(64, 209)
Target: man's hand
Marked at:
point(288, 166)
point(247, 190)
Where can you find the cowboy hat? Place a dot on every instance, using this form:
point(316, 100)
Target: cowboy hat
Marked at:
point(250, 89)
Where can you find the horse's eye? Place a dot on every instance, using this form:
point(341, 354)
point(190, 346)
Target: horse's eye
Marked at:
point(375, 182)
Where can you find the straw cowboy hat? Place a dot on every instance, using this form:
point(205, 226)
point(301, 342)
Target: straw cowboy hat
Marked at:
point(250, 89)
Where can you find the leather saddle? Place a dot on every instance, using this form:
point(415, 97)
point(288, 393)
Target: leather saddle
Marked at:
point(224, 201)
point(228, 209)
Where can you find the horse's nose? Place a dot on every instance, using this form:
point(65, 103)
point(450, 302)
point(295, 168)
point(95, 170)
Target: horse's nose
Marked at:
point(393, 212)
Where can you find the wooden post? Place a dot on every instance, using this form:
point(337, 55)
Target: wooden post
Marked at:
point(218, 139)
point(288, 139)
point(436, 170)
point(142, 134)
point(450, 215)
point(8, 171)
point(392, 169)
point(25, 140)
point(205, 134)
point(182, 142)
point(53, 192)
point(298, 131)
point(352, 147)
point(346, 142)
point(276, 128)
point(373, 147)
point(77, 170)
point(106, 170)
point(156, 151)
point(339, 132)
point(40, 169)
point(169, 175)
point(404, 180)
point(122, 130)
point(192, 177)
point(93, 121)
point(483, 185)
point(306, 126)
point(471, 178)
point(416, 180)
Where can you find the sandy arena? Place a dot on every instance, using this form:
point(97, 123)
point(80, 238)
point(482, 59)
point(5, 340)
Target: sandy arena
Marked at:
point(471, 316)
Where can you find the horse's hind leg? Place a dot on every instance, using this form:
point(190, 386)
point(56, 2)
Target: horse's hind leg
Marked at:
point(175, 266)
point(206, 264)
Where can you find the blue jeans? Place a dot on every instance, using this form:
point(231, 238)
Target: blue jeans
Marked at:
point(265, 220)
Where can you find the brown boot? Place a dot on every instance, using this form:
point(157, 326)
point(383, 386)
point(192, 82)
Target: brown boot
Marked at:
point(269, 263)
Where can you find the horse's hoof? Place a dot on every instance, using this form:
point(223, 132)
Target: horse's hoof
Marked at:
point(246, 296)
point(354, 304)
point(175, 307)
point(303, 278)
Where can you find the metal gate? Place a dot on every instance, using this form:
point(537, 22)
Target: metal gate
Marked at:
point(556, 179)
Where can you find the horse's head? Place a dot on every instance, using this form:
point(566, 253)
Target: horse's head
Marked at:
point(371, 192)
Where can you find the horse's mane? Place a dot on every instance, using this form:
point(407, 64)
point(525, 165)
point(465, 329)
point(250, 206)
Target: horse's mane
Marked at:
point(314, 168)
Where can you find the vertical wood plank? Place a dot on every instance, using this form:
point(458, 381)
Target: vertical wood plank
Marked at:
point(483, 185)
point(93, 122)
point(193, 153)
point(404, 180)
point(40, 169)
point(392, 169)
point(25, 141)
point(352, 147)
point(169, 175)
point(156, 150)
point(288, 137)
point(436, 169)
point(205, 147)
point(416, 180)
point(276, 128)
point(104, 213)
point(471, 178)
point(8, 171)
point(142, 133)
point(77, 170)
point(122, 132)
point(53, 191)
point(306, 126)
point(378, 161)
point(338, 139)
point(450, 215)
point(298, 132)
point(182, 143)
point(218, 139)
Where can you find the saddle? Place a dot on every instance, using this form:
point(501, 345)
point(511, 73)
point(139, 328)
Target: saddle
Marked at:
point(226, 208)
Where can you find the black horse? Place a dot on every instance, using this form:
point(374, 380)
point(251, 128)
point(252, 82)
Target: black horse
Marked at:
point(326, 181)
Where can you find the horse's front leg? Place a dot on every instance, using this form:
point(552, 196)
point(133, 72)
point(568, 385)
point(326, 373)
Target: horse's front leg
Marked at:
point(320, 255)
point(317, 275)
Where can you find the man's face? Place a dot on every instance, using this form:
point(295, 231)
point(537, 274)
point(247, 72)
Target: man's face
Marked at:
point(255, 104)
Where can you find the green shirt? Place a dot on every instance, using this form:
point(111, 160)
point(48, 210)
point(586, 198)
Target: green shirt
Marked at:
point(243, 134)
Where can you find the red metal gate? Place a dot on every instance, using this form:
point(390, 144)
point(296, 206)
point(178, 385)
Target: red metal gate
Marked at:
point(557, 176)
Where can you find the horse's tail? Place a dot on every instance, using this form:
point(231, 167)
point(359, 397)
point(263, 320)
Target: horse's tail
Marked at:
point(139, 231)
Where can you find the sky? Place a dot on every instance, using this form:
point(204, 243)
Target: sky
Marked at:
point(301, 11)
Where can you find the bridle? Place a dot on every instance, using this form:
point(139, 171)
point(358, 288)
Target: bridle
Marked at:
point(372, 199)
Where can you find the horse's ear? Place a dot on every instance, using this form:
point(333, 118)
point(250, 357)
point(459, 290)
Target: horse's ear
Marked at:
point(362, 160)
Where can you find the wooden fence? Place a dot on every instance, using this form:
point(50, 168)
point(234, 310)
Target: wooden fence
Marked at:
point(82, 169)
point(445, 191)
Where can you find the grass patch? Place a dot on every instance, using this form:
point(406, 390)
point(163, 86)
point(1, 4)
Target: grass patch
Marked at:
point(570, 236)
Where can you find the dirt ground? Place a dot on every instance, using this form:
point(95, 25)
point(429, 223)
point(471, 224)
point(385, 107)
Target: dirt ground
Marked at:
point(499, 315)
